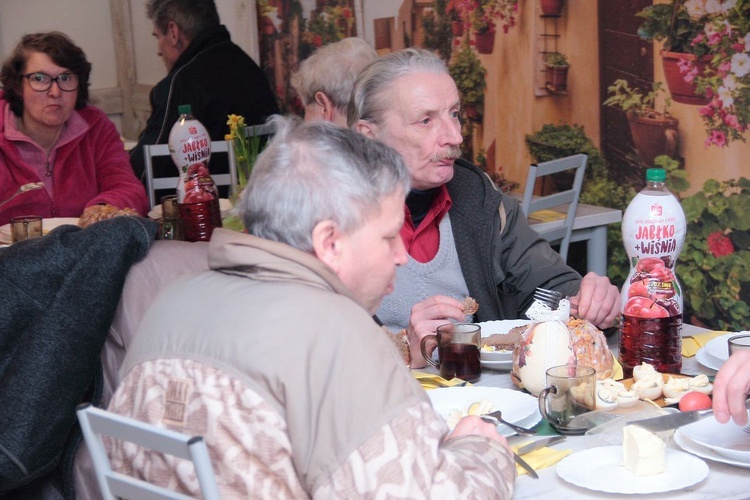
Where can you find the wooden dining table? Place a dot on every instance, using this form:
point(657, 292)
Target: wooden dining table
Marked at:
point(723, 482)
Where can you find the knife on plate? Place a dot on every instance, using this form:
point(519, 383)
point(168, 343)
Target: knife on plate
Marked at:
point(675, 420)
point(540, 443)
point(671, 421)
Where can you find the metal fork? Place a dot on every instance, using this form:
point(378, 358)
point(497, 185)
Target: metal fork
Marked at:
point(551, 298)
point(746, 429)
point(496, 417)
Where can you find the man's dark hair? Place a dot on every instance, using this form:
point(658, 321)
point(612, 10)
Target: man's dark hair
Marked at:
point(192, 16)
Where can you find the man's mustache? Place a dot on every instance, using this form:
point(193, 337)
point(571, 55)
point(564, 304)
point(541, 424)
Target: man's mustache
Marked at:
point(452, 152)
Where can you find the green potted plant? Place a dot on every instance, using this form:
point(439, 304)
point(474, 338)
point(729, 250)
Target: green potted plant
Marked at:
point(654, 131)
point(714, 264)
point(556, 71)
point(681, 26)
point(469, 74)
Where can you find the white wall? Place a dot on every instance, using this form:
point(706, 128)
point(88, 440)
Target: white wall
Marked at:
point(89, 24)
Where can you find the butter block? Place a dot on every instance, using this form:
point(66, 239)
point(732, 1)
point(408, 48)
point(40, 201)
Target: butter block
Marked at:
point(644, 452)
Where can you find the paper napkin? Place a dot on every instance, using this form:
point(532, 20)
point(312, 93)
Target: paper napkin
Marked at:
point(432, 381)
point(547, 215)
point(693, 343)
point(541, 458)
point(616, 368)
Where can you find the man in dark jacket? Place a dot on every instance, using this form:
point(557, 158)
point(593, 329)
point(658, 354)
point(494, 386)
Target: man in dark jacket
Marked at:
point(206, 70)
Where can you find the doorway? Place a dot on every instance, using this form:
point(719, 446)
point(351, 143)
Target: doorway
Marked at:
point(623, 54)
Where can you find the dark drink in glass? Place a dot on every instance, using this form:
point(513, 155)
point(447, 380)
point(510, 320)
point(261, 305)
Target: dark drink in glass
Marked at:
point(460, 361)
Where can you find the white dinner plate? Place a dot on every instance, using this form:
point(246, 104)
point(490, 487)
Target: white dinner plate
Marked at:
point(717, 346)
point(728, 440)
point(224, 206)
point(47, 226)
point(600, 469)
point(691, 446)
point(503, 365)
point(707, 360)
point(517, 407)
point(499, 326)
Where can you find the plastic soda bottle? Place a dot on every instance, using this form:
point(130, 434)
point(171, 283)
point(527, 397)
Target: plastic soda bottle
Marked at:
point(653, 232)
point(197, 196)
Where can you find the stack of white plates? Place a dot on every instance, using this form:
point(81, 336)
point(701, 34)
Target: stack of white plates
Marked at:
point(715, 352)
point(499, 360)
point(728, 443)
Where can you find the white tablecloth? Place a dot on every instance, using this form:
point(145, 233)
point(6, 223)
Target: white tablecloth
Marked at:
point(723, 482)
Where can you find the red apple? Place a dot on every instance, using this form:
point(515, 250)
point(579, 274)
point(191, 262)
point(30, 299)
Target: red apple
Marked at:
point(648, 263)
point(661, 273)
point(638, 289)
point(644, 307)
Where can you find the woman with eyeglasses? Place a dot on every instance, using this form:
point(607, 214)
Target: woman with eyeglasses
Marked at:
point(50, 134)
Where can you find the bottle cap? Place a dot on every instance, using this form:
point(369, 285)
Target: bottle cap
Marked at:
point(184, 109)
point(656, 175)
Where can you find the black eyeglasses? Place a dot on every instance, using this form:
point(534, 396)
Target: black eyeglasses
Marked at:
point(41, 82)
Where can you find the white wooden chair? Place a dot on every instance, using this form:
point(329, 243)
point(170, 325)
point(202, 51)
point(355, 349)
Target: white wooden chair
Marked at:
point(96, 422)
point(531, 203)
point(154, 184)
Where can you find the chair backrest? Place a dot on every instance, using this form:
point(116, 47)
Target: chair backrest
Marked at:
point(155, 184)
point(96, 422)
point(531, 204)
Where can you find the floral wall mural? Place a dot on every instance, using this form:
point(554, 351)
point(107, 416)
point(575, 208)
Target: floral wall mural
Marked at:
point(458, 30)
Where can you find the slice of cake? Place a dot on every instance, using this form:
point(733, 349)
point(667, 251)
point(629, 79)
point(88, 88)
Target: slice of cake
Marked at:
point(644, 452)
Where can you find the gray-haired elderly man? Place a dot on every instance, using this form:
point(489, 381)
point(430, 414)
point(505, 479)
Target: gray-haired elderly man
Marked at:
point(324, 80)
point(273, 355)
point(463, 236)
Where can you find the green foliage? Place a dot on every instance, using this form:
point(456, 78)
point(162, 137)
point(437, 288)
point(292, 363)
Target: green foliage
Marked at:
point(469, 74)
point(633, 100)
point(657, 26)
point(557, 141)
point(556, 59)
point(437, 30)
point(714, 264)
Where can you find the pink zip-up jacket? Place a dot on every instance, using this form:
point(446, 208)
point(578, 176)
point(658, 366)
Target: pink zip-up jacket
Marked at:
point(89, 166)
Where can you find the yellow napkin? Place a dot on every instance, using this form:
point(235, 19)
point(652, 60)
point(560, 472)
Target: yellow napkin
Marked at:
point(691, 344)
point(547, 215)
point(617, 368)
point(541, 458)
point(432, 381)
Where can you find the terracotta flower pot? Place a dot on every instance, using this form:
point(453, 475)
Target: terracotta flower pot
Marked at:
point(653, 136)
point(484, 42)
point(457, 28)
point(552, 7)
point(556, 78)
point(680, 90)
